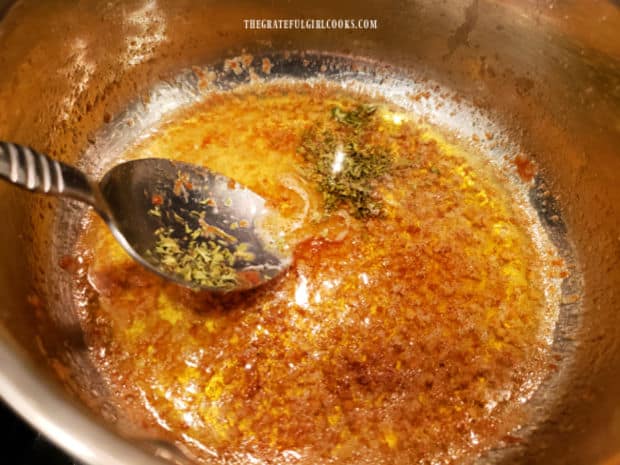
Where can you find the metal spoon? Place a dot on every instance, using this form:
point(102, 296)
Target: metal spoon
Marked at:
point(182, 221)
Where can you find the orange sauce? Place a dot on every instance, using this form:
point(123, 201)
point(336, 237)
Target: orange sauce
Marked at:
point(525, 167)
point(402, 339)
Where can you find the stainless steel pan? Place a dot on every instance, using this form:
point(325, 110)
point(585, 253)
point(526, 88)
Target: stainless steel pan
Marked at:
point(546, 72)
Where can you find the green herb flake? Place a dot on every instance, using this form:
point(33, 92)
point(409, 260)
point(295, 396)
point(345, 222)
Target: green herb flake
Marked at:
point(155, 212)
point(357, 117)
point(178, 218)
point(243, 252)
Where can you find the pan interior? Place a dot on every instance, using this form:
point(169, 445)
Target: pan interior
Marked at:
point(455, 120)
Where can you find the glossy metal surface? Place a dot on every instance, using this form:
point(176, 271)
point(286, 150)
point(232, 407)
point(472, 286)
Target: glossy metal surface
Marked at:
point(546, 72)
point(128, 190)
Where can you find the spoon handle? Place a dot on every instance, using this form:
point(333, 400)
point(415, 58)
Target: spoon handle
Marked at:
point(29, 169)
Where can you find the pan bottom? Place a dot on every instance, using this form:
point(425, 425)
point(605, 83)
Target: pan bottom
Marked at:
point(444, 366)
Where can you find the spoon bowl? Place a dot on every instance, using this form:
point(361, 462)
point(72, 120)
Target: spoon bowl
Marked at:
point(184, 222)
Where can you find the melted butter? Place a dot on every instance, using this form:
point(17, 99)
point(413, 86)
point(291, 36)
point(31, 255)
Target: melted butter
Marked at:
point(393, 340)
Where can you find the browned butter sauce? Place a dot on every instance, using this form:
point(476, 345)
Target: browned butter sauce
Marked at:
point(411, 337)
